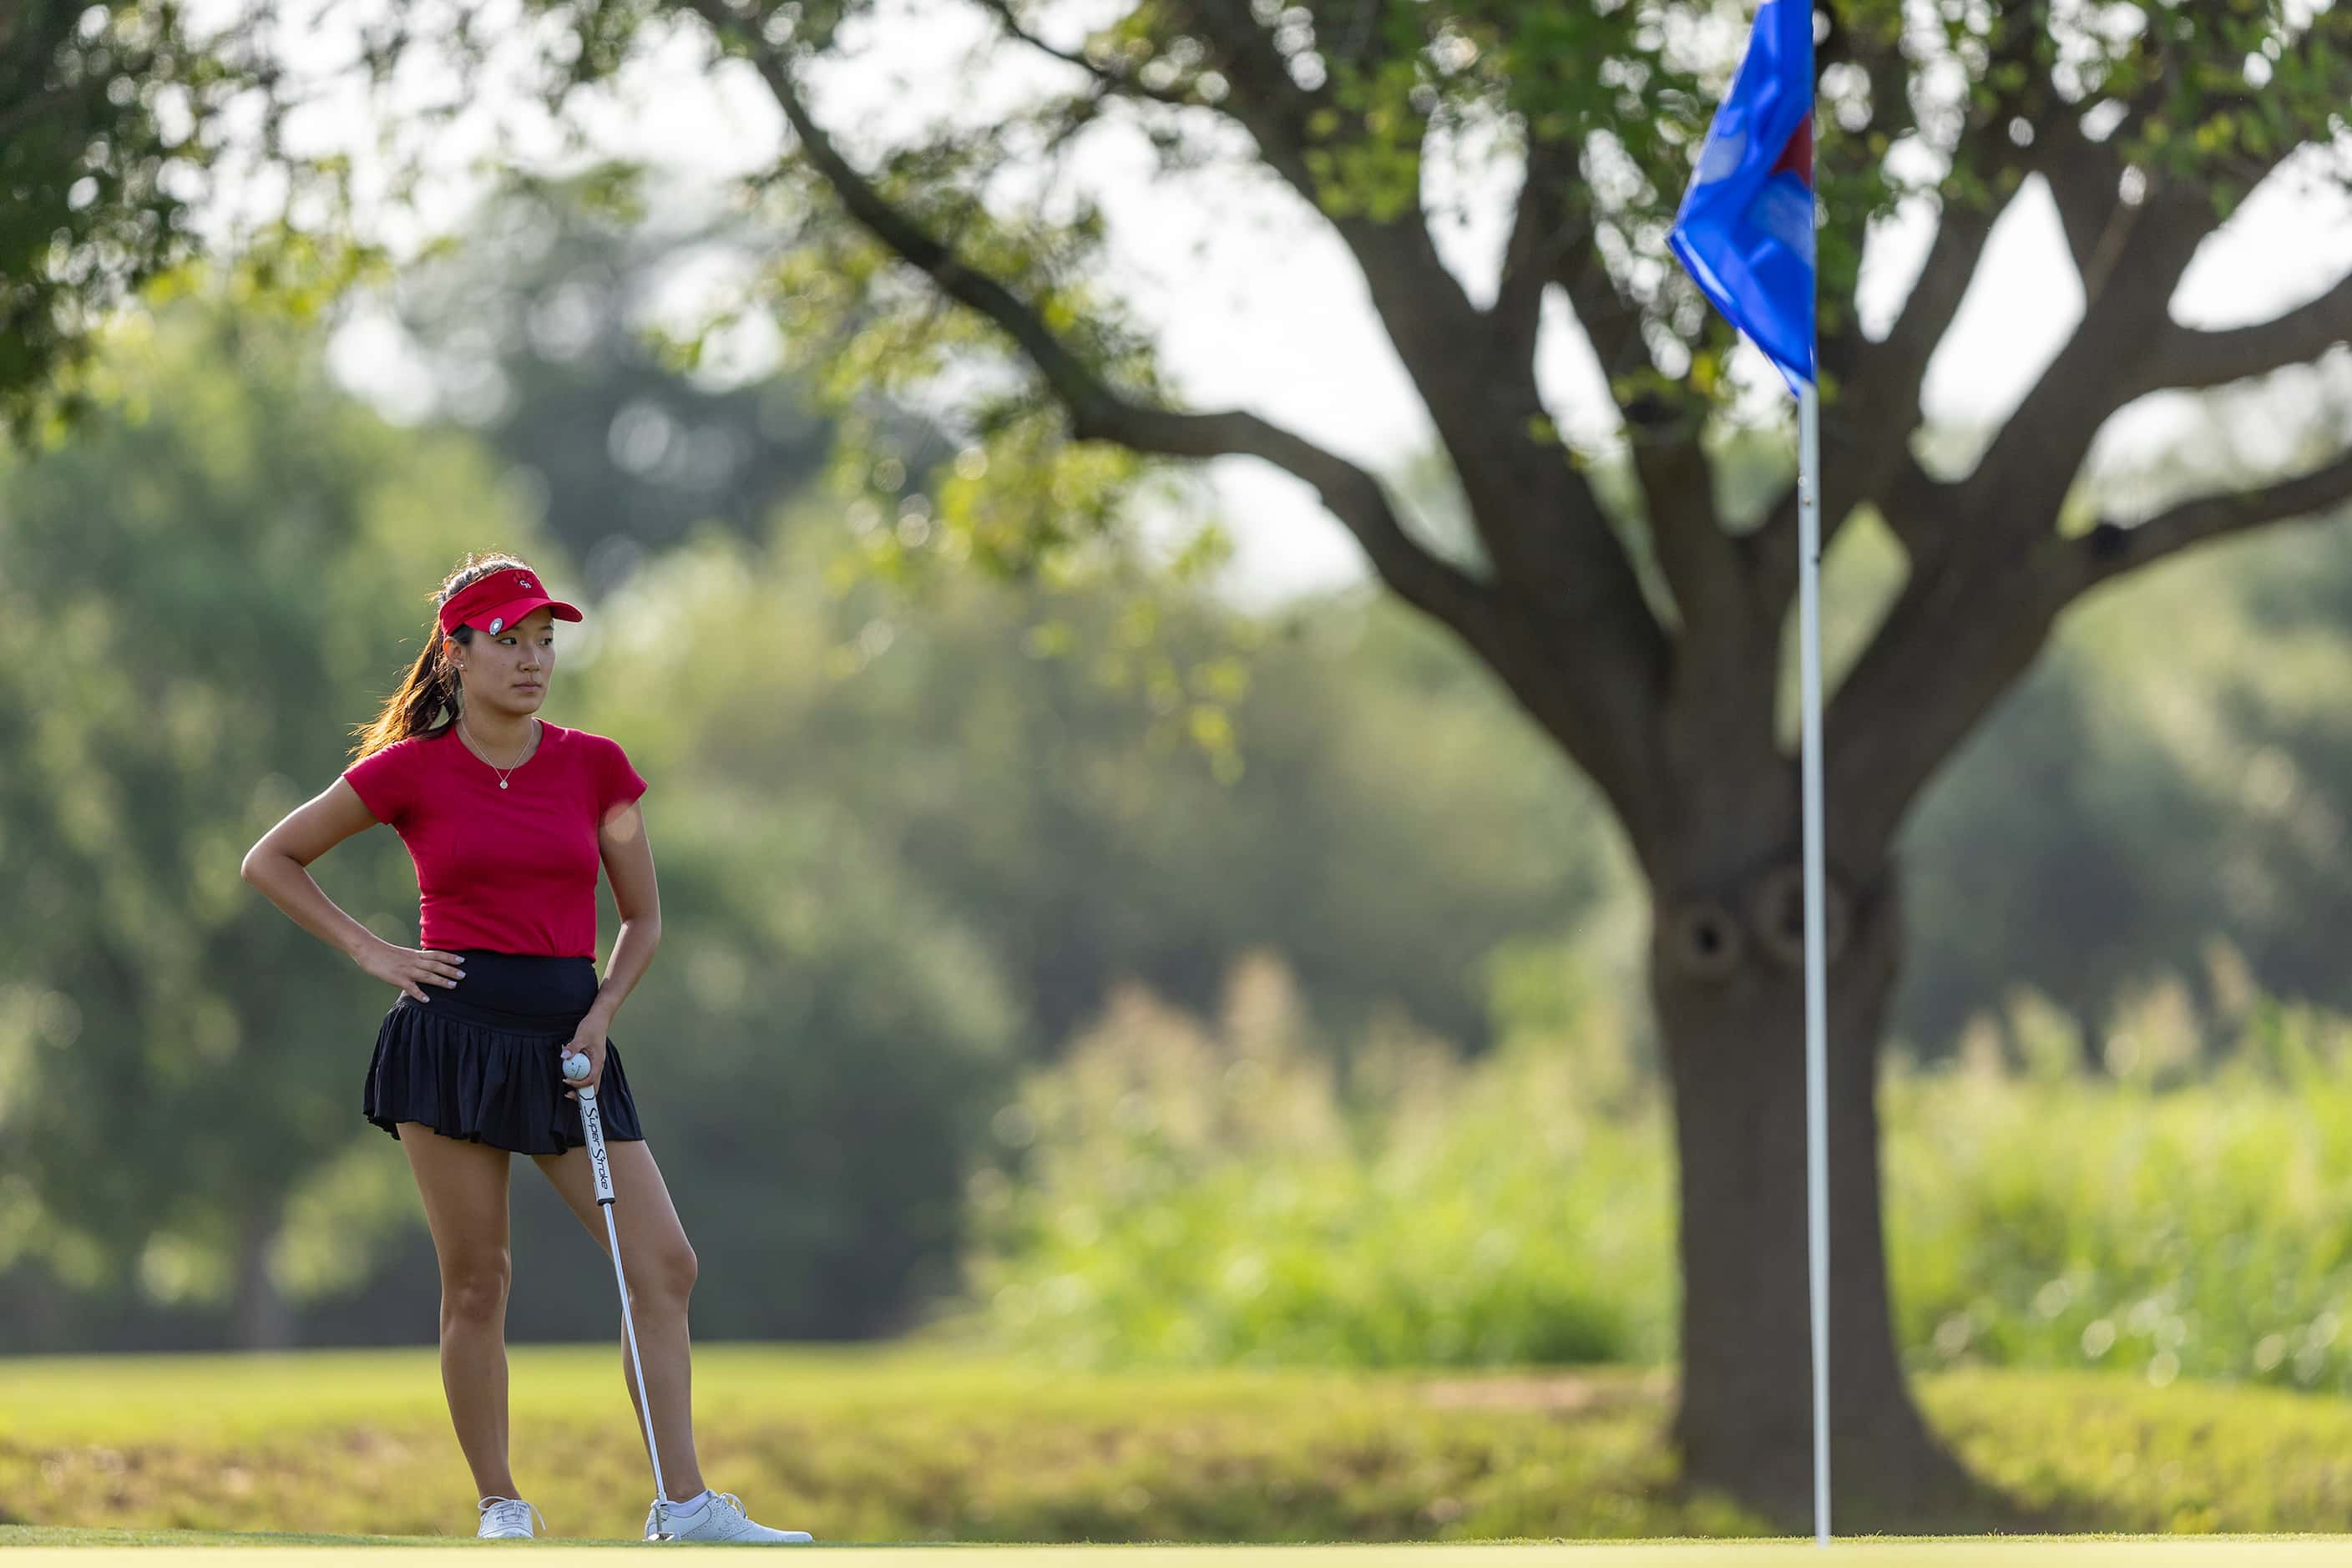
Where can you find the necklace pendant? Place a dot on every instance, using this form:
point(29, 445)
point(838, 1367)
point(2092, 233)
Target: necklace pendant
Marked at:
point(502, 784)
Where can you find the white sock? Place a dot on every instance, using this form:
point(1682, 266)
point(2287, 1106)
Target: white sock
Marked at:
point(693, 1504)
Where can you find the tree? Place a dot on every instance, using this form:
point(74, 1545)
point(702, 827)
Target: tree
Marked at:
point(1383, 887)
point(1646, 646)
point(203, 589)
point(1090, 851)
point(116, 122)
point(197, 589)
point(530, 319)
point(1646, 643)
point(2165, 786)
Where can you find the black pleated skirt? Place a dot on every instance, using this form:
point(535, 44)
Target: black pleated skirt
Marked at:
point(482, 1060)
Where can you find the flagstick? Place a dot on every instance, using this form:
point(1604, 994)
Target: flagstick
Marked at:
point(1817, 1173)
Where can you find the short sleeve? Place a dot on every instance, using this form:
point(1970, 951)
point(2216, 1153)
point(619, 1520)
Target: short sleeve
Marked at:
point(617, 783)
point(385, 781)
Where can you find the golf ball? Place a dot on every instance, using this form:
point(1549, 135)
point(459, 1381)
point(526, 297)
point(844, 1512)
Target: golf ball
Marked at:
point(575, 1069)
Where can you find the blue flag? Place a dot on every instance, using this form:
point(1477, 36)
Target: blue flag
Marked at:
point(1745, 232)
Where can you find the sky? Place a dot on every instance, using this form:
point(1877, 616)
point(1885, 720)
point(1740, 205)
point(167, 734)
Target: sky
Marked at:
point(1257, 304)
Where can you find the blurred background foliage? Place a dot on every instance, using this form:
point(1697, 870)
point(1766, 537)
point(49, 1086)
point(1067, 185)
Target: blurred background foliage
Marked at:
point(1186, 1192)
point(1067, 956)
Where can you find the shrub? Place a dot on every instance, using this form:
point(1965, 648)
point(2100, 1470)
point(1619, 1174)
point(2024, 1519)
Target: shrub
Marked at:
point(1182, 1192)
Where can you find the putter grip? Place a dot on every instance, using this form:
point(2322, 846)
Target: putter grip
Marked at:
point(592, 1121)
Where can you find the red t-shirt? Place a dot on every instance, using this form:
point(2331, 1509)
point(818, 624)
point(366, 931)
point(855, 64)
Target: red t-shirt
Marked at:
point(510, 869)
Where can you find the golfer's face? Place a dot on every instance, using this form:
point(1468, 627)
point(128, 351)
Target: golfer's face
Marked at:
point(512, 667)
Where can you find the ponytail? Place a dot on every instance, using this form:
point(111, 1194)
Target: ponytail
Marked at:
point(431, 684)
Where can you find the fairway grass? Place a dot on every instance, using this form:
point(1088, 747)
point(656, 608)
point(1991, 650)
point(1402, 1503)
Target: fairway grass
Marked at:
point(188, 1549)
point(895, 1445)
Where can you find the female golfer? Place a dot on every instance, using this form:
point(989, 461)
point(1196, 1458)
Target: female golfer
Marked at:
point(507, 817)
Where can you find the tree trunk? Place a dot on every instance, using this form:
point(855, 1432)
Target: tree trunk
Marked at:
point(263, 1320)
point(1728, 979)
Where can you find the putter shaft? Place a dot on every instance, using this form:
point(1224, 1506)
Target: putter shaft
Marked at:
point(593, 1121)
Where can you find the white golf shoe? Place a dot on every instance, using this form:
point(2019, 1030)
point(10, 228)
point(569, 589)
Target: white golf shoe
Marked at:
point(720, 1518)
point(507, 1518)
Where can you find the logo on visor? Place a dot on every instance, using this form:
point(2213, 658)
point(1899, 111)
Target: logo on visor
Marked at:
point(496, 622)
point(523, 581)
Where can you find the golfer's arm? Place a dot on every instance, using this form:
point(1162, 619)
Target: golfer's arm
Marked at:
point(632, 950)
point(629, 864)
point(279, 864)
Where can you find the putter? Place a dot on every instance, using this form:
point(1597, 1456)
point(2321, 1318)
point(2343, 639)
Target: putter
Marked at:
point(592, 1120)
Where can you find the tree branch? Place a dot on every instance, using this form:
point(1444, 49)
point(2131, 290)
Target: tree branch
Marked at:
point(1123, 83)
point(1918, 509)
point(1538, 237)
point(1549, 243)
point(2083, 179)
point(2110, 360)
point(1912, 699)
point(1267, 102)
point(1952, 643)
point(1564, 625)
point(2025, 476)
point(1537, 518)
point(1701, 564)
point(2187, 358)
point(1968, 627)
point(2111, 549)
point(1867, 430)
point(1611, 322)
point(1097, 411)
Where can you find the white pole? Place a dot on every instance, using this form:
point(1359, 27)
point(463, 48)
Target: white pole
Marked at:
point(1817, 1163)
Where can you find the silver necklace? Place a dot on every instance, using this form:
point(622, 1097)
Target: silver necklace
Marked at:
point(519, 761)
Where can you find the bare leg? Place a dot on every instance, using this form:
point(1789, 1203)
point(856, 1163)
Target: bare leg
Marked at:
point(463, 1185)
point(474, 1376)
point(660, 1267)
point(663, 1340)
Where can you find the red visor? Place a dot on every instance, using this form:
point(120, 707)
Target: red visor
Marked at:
point(498, 601)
